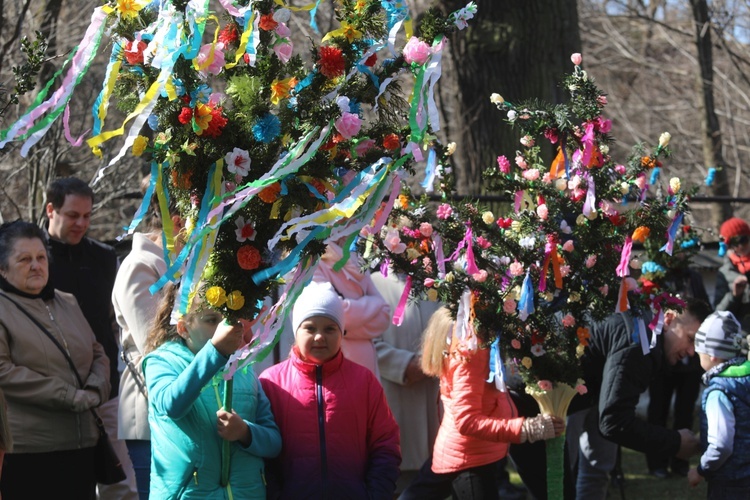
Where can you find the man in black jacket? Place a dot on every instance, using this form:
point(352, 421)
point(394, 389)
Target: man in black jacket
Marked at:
point(87, 268)
point(618, 366)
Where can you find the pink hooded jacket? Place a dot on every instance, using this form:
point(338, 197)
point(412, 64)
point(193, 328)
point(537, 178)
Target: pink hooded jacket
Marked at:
point(479, 421)
point(366, 314)
point(339, 439)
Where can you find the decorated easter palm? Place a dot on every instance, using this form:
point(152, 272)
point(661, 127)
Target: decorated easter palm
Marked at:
point(529, 283)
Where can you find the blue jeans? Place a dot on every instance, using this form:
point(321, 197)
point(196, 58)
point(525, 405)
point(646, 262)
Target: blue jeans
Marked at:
point(140, 454)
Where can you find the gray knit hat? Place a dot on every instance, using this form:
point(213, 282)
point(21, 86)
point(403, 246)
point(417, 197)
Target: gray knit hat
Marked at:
point(719, 336)
point(318, 299)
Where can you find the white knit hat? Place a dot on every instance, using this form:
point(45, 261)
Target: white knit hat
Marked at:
point(719, 336)
point(318, 299)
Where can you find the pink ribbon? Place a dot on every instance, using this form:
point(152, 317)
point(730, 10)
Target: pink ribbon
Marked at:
point(471, 265)
point(398, 315)
point(66, 127)
point(623, 269)
point(588, 144)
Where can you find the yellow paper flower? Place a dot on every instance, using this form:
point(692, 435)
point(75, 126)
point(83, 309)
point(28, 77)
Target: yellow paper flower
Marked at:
point(674, 184)
point(488, 217)
point(664, 139)
point(432, 295)
point(216, 296)
point(202, 116)
point(128, 9)
point(526, 362)
point(139, 145)
point(496, 99)
point(346, 31)
point(450, 148)
point(235, 300)
point(280, 89)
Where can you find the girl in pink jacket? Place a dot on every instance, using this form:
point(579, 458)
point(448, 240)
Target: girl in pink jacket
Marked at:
point(479, 421)
point(339, 439)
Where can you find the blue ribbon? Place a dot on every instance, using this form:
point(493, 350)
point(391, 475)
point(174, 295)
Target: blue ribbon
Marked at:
point(526, 302)
point(289, 262)
point(429, 171)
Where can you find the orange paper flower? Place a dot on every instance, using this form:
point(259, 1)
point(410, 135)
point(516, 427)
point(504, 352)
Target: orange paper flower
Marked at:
point(270, 193)
point(641, 233)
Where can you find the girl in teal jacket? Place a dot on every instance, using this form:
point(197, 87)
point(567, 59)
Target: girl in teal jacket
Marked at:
point(183, 371)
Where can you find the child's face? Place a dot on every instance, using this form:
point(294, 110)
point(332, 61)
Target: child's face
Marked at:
point(318, 339)
point(197, 328)
point(708, 361)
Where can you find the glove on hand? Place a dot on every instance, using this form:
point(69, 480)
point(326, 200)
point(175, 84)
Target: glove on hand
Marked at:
point(85, 399)
point(537, 428)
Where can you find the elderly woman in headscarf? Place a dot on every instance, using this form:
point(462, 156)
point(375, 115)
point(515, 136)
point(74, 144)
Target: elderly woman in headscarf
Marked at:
point(48, 410)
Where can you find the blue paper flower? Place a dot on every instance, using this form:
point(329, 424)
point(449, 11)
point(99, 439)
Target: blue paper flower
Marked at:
point(200, 95)
point(710, 176)
point(267, 128)
point(651, 267)
point(153, 122)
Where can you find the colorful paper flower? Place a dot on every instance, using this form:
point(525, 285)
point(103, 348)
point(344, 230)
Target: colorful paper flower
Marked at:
point(393, 243)
point(216, 296)
point(280, 89)
point(391, 142)
point(348, 125)
point(139, 145)
point(129, 9)
point(245, 230)
point(331, 62)
point(416, 51)
point(270, 193)
point(545, 385)
point(444, 211)
point(238, 162)
point(210, 59)
point(248, 257)
point(235, 300)
point(641, 233)
point(134, 52)
point(267, 128)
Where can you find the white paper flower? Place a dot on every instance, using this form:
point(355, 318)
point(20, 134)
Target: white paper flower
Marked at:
point(238, 162)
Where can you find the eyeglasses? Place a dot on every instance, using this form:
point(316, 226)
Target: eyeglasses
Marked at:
point(739, 240)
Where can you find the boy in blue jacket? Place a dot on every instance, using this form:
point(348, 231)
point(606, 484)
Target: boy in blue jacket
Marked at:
point(725, 421)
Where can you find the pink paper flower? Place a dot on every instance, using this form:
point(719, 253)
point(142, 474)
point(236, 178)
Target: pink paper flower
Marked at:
point(590, 261)
point(542, 211)
point(531, 174)
point(427, 264)
point(604, 290)
point(392, 242)
point(602, 100)
point(428, 282)
point(576, 59)
point(640, 181)
point(348, 125)
point(521, 161)
point(581, 389)
point(284, 50)
point(444, 211)
point(574, 182)
point(416, 51)
point(503, 164)
point(364, 146)
point(545, 385)
point(480, 277)
point(568, 246)
point(546, 178)
point(483, 243)
point(568, 320)
point(527, 141)
point(509, 307)
point(217, 64)
point(515, 344)
point(238, 162)
point(620, 169)
point(564, 270)
point(283, 30)
point(425, 229)
point(516, 269)
point(603, 124)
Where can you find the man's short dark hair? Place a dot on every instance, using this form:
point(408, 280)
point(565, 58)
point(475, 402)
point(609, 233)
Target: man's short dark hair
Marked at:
point(64, 186)
point(698, 308)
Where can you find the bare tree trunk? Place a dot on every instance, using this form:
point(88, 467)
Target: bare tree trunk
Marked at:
point(711, 128)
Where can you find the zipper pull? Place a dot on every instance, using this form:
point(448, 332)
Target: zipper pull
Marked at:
point(195, 477)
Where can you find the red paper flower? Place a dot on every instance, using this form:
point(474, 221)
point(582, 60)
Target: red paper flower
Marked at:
point(391, 142)
point(267, 22)
point(216, 124)
point(185, 116)
point(228, 35)
point(370, 62)
point(134, 57)
point(248, 257)
point(331, 62)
